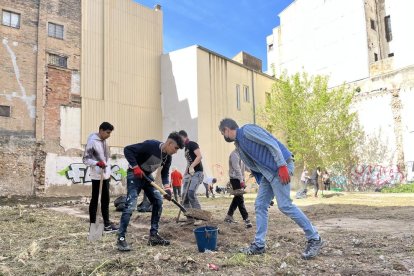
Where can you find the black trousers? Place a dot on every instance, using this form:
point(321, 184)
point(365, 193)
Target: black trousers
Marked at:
point(316, 185)
point(238, 201)
point(93, 205)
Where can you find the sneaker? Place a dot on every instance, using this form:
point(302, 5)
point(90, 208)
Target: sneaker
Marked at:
point(312, 248)
point(122, 244)
point(248, 223)
point(253, 249)
point(156, 239)
point(110, 228)
point(229, 219)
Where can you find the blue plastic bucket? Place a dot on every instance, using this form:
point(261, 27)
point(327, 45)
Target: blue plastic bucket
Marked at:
point(206, 238)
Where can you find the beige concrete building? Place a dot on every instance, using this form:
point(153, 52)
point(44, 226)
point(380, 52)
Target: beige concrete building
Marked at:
point(199, 88)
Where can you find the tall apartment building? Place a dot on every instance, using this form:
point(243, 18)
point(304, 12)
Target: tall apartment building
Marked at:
point(346, 40)
point(366, 44)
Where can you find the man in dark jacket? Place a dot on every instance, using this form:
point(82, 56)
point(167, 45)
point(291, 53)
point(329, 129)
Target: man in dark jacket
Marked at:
point(144, 158)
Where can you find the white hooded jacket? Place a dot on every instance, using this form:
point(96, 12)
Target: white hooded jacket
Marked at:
point(97, 150)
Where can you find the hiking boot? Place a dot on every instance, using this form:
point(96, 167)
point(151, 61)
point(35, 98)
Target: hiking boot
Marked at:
point(122, 244)
point(248, 223)
point(229, 219)
point(312, 248)
point(110, 228)
point(156, 239)
point(253, 249)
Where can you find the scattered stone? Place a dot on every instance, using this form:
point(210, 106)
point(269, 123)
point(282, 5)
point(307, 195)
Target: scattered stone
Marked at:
point(337, 252)
point(283, 265)
point(399, 266)
point(157, 257)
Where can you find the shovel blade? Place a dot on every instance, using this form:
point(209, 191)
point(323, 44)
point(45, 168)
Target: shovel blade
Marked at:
point(95, 231)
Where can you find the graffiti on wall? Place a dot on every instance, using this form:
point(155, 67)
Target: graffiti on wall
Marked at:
point(80, 173)
point(377, 175)
point(364, 177)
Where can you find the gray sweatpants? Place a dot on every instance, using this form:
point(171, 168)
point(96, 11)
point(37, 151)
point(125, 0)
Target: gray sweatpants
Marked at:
point(191, 200)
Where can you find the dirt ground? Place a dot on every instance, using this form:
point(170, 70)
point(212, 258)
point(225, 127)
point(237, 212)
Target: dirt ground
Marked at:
point(365, 233)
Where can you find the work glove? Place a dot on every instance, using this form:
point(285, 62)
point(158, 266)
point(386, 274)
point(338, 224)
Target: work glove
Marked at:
point(101, 164)
point(168, 196)
point(284, 175)
point(191, 170)
point(242, 185)
point(138, 172)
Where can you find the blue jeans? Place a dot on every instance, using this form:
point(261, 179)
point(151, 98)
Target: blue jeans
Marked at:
point(268, 190)
point(134, 187)
point(191, 183)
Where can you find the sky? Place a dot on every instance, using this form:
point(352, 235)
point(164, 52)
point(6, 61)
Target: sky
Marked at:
point(223, 26)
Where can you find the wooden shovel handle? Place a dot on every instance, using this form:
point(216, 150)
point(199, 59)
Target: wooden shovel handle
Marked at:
point(161, 190)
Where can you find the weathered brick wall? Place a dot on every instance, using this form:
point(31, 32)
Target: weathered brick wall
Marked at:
point(18, 52)
point(36, 91)
point(17, 157)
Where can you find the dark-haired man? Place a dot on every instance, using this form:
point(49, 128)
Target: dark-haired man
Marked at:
point(144, 158)
point(97, 157)
point(272, 165)
point(193, 175)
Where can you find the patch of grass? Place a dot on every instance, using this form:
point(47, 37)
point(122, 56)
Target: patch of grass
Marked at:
point(400, 188)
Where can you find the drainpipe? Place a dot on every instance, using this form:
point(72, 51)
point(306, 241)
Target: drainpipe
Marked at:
point(254, 100)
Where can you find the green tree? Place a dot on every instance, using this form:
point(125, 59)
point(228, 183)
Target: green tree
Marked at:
point(317, 122)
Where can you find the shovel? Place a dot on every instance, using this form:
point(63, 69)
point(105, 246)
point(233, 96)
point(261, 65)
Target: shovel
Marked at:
point(96, 229)
point(190, 213)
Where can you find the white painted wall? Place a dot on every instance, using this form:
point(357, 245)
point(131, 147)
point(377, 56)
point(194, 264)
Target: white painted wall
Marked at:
point(69, 170)
point(179, 96)
point(326, 37)
point(70, 129)
point(402, 22)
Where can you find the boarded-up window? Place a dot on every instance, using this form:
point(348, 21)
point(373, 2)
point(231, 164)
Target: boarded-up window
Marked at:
point(55, 30)
point(11, 19)
point(57, 60)
point(388, 32)
point(4, 111)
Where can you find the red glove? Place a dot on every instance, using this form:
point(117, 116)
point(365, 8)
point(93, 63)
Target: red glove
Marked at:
point(284, 175)
point(101, 164)
point(168, 196)
point(242, 185)
point(138, 172)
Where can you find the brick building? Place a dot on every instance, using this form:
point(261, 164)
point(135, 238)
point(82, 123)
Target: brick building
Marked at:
point(39, 74)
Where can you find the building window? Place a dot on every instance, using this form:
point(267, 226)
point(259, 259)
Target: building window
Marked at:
point(390, 54)
point(11, 19)
point(55, 30)
point(58, 60)
point(270, 47)
point(238, 96)
point(372, 24)
point(388, 32)
point(375, 57)
point(246, 94)
point(4, 111)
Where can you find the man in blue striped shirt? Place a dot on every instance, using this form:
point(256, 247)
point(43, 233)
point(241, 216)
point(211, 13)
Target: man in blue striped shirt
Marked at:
point(272, 164)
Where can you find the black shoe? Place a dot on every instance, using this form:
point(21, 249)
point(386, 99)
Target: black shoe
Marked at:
point(156, 239)
point(312, 248)
point(110, 228)
point(253, 249)
point(248, 223)
point(122, 244)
